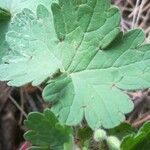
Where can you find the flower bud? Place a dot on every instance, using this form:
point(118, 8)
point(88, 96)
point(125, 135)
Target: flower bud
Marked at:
point(99, 135)
point(113, 143)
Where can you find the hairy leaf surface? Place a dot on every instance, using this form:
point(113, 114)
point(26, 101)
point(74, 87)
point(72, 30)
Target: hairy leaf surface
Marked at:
point(15, 6)
point(12, 7)
point(82, 41)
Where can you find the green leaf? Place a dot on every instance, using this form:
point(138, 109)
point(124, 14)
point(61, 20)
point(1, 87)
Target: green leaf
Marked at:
point(3, 44)
point(8, 9)
point(84, 134)
point(4, 21)
point(122, 130)
point(30, 55)
point(29, 46)
point(82, 40)
point(4, 14)
point(16, 6)
point(96, 90)
point(139, 141)
point(45, 132)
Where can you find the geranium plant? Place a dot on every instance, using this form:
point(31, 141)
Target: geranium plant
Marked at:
point(76, 49)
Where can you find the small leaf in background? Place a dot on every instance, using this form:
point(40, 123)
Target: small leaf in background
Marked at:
point(4, 14)
point(122, 130)
point(138, 141)
point(46, 133)
point(84, 134)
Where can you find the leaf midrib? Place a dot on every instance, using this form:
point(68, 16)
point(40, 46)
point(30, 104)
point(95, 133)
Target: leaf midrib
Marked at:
point(82, 37)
